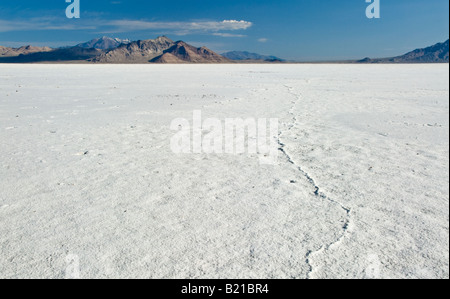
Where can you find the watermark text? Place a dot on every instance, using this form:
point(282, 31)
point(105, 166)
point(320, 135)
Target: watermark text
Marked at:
point(232, 136)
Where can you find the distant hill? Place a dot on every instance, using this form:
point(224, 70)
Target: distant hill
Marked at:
point(104, 43)
point(439, 53)
point(182, 52)
point(25, 50)
point(244, 55)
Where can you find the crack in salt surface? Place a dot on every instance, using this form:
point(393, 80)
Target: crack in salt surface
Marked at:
point(311, 253)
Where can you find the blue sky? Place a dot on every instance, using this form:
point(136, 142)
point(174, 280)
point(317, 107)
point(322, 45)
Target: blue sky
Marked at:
point(291, 29)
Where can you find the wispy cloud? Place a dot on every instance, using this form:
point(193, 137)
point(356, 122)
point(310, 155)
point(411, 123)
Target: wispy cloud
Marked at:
point(206, 26)
point(40, 24)
point(263, 40)
point(99, 25)
point(222, 34)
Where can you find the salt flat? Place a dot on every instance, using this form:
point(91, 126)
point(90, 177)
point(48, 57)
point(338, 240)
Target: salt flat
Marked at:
point(90, 188)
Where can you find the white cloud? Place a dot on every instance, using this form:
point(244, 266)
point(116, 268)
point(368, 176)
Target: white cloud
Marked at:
point(263, 40)
point(236, 25)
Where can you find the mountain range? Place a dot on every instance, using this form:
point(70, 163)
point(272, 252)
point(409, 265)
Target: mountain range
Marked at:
point(164, 50)
point(438, 53)
point(159, 50)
